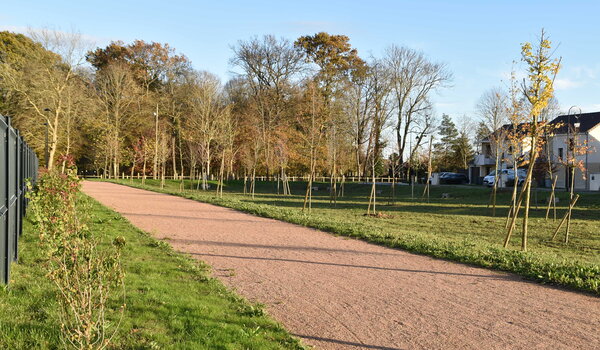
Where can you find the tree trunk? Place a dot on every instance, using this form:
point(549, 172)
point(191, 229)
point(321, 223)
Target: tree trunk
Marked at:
point(496, 179)
point(155, 168)
point(174, 160)
point(513, 199)
point(144, 166)
point(527, 193)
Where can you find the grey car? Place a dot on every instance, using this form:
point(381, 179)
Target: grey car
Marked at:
point(510, 181)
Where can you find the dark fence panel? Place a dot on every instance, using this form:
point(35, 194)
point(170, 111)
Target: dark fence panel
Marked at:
point(17, 163)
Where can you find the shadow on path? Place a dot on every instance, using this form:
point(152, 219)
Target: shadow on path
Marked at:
point(279, 247)
point(257, 220)
point(495, 277)
point(343, 342)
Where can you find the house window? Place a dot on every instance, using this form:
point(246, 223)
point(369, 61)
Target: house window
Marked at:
point(560, 153)
point(571, 145)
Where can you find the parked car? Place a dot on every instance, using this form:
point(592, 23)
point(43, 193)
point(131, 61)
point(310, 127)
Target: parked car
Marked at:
point(521, 174)
point(510, 177)
point(489, 179)
point(453, 178)
point(440, 175)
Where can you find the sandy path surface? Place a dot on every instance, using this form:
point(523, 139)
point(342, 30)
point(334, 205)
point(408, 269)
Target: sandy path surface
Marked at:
point(338, 293)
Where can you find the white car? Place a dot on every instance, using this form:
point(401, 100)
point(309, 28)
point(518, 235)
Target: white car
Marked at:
point(489, 179)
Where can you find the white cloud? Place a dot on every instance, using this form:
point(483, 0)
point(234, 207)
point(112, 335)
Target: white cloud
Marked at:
point(90, 40)
point(586, 72)
point(591, 108)
point(15, 29)
point(71, 45)
point(566, 84)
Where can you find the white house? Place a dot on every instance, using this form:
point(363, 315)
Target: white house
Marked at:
point(582, 129)
point(485, 159)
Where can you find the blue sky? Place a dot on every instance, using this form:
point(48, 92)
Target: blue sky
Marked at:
point(478, 40)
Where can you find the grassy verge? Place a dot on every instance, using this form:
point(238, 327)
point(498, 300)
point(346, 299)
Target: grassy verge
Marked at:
point(172, 302)
point(460, 228)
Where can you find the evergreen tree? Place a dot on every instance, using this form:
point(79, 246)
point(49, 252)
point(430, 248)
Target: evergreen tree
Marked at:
point(483, 131)
point(462, 152)
point(444, 150)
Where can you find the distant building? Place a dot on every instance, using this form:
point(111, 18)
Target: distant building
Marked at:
point(484, 161)
point(582, 129)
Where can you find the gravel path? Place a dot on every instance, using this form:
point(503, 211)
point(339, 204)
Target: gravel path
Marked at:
point(338, 293)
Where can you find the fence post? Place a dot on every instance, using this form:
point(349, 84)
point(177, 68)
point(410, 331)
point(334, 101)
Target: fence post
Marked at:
point(17, 162)
point(17, 204)
point(4, 263)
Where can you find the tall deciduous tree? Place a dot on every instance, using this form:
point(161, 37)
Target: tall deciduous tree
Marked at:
point(271, 67)
point(157, 72)
point(207, 112)
point(336, 60)
point(379, 111)
point(117, 92)
point(357, 105)
point(414, 78)
point(39, 73)
point(492, 108)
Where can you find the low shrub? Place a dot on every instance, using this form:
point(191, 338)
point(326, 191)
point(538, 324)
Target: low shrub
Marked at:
point(86, 277)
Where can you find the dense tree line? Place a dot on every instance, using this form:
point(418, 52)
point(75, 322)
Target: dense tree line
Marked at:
point(308, 107)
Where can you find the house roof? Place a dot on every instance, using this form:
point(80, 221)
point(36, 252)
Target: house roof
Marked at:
point(503, 130)
point(586, 120)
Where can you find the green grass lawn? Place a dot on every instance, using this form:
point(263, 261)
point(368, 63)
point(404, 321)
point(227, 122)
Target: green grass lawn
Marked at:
point(460, 228)
point(172, 302)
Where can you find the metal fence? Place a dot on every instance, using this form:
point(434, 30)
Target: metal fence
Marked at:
point(272, 178)
point(17, 163)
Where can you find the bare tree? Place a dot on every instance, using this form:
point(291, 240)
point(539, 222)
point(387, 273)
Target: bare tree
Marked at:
point(492, 108)
point(312, 123)
point(225, 139)
point(414, 78)
point(270, 66)
point(357, 105)
point(116, 92)
point(207, 109)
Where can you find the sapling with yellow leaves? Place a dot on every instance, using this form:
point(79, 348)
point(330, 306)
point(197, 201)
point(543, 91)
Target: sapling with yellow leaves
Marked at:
point(538, 90)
